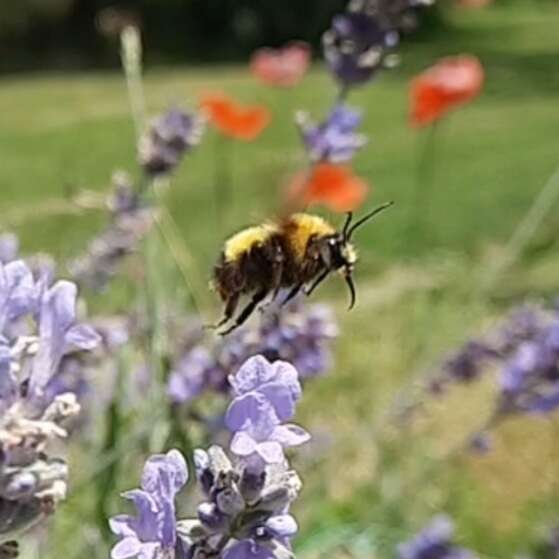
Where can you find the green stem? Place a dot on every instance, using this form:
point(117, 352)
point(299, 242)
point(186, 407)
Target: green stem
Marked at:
point(107, 480)
point(422, 197)
point(223, 191)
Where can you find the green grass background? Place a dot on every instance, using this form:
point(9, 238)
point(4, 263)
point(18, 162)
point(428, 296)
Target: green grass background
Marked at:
point(369, 480)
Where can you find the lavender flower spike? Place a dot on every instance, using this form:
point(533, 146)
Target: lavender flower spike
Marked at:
point(37, 328)
point(168, 139)
point(355, 47)
point(152, 533)
point(335, 140)
point(266, 394)
point(59, 334)
point(434, 542)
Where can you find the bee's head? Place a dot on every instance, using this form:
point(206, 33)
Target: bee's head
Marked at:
point(338, 252)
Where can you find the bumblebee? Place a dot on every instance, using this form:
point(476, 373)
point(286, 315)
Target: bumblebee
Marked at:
point(295, 253)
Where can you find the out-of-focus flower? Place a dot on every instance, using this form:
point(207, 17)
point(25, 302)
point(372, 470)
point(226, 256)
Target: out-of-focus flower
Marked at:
point(167, 139)
point(328, 184)
point(234, 120)
point(355, 47)
point(434, 542)
point(463, 366)
point(9, 247)
point(296, 333)
point(336, 139)
point(399, 15)
point(524, 352)
point(31, 482)
point(265, 396)
point(131, 220)
point(450, 83)
point(152, 533)
point(283, 67)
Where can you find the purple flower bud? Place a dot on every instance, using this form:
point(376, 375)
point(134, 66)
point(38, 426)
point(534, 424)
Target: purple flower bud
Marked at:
point(168, 139)
point(355, 47)
point(434, 542)
point(335, 140)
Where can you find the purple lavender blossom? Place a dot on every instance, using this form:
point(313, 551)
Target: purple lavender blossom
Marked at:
point(245, 512)
point(18, 293)
point(399, 15)
point(265, 396)
point(189, 377)
point(31, 482)
point(434, 542)
point(297, 334)
point(152, 533)
point(355, 47)
point(524, 353)
point(335, 140)
point(166, 141)
point(59, 334)
point(130, 221)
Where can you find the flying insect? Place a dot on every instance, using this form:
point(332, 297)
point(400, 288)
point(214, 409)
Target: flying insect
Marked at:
point(295, 253)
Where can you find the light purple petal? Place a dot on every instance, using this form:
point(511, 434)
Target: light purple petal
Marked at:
point(122, 525)
point(271, 452)
point(243, 444)
point(283, 526)
point(9, 246)
point(164, 475)
point(128, 547)
point(253, 408)
point(81, 336)
point(8, 383)
point(290, 435)
point(281, 398)
point(253, 373)
point(57, 314)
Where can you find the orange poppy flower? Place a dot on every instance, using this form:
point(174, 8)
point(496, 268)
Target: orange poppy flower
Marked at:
point(334, 186)
point(235, 120)
point(448, 84)
point(283, 67)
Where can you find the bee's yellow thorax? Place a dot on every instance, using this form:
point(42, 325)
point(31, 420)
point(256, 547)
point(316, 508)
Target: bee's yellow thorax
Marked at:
point(303, 227)
point(244, 240)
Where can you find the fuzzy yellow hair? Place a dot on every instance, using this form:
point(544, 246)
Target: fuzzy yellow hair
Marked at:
point(244, 240)
point(301, 228)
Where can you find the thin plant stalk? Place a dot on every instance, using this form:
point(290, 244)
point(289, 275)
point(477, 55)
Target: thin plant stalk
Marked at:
point(422, 197)
point(107, 481)
point(223, 183)
point(131, 57)
point(542, 205)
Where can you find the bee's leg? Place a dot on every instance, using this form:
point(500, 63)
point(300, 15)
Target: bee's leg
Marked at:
point(317, 282)
point(293, 293)
point(276, 280)
point(246, 312)
point(230, 308)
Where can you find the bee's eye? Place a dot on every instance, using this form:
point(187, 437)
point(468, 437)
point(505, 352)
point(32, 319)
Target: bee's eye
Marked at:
point(332, 242)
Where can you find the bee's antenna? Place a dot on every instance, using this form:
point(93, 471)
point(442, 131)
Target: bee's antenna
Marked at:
point(366, 218)
point(347, 223)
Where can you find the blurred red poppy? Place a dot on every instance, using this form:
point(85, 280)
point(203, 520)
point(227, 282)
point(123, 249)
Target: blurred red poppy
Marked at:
point(283, 67)
point(235, 120)
point(334, 186)
point(448, 84)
